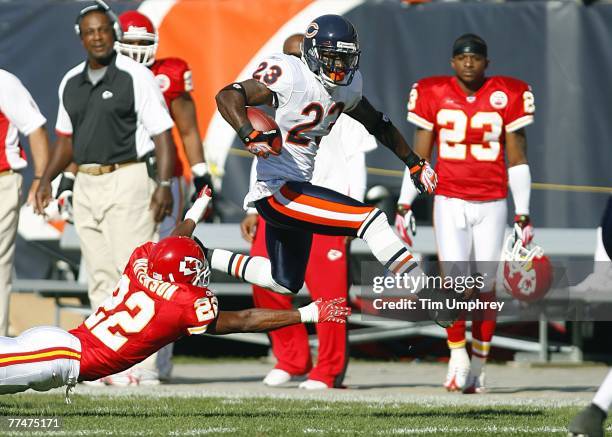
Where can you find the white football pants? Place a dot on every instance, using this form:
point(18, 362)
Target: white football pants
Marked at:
point(41, 358)
point(469, 230)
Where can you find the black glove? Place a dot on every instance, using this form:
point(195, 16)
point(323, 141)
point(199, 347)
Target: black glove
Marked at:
point(64, 196)
point(200, 182)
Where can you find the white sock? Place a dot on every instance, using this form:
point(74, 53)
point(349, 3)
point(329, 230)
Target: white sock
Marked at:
point(459, 354)
point(480, 352)
point(256, 270)
point(385, 245)
point(603, 397)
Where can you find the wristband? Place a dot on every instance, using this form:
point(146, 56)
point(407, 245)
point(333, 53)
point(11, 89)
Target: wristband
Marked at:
point(309, 313)
point(200, 169)
point(245, 130)
point(37, 177)
point(165, 183)
point(412, 159)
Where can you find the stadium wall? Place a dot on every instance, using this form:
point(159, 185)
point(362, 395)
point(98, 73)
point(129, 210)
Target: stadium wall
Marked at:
point(560, 48)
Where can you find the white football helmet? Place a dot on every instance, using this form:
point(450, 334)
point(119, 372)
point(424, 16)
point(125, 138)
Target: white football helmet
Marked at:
point(139, 40)
point(527, 272)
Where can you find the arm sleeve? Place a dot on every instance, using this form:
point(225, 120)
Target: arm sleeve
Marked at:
point(408, 192)
point(150, 104)
point(521, 107)
point(277, 74)
point(419, 107)
point(519, 179)
point(17, 104)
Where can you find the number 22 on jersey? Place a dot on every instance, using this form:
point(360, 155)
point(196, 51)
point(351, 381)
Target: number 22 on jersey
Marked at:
point(100, 323)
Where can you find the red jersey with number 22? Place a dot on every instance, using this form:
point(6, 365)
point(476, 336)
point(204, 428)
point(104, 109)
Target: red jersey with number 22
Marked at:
point(141, 316)
point(470, 131)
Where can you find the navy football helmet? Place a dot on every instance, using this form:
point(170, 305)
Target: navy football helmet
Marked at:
point(331, 49)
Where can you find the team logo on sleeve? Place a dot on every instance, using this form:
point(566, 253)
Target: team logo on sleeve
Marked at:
point(163, 81)
point(498, 99)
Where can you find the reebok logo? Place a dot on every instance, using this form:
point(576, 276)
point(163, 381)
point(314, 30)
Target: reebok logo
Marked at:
point(107, 95)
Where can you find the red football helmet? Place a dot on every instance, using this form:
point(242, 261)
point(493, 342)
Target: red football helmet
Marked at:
point(139, 40)
point(179, 259)
point(528, 273)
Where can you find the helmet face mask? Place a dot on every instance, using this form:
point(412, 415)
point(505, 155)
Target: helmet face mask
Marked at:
point(139, 40)
point(331, 50)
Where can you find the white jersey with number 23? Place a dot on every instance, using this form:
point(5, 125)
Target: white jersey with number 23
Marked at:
point(307, 110)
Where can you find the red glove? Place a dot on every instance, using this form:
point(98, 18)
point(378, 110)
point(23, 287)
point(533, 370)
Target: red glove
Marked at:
point(523, 229)
point(332, 310)
point(405, 224)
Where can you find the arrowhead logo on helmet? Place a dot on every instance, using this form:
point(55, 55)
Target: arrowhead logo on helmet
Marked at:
point(528, 273)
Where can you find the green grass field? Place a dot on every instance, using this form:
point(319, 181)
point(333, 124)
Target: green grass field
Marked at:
point(142, 415)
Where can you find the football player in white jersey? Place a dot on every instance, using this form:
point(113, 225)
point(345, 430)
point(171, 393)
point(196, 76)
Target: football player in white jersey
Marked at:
point(309, 95)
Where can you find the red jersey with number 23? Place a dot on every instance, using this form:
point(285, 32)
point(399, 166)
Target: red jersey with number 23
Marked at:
point(141, 316)
point(470, 131)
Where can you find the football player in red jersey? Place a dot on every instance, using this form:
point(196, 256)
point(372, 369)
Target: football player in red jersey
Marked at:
point(478, 124)
point(140, 42)
point(173, 75)
point(161, 297)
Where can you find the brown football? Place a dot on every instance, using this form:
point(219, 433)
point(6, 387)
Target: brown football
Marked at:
point(263, 122)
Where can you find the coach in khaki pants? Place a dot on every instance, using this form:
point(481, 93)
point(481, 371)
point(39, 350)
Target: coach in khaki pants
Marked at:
point(18, 113)
point(111, 117)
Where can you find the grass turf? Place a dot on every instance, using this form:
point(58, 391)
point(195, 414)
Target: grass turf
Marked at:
point(122, 415)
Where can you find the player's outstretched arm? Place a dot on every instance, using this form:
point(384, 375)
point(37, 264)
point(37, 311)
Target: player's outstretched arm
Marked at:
point(261, 320)
point(194, 214)
point(379, 125)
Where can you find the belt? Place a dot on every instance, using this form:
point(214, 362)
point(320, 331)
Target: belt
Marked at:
point(97, 170)
point(6, 172)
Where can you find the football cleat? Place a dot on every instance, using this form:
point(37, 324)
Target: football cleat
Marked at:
point(475, 384)
point(458, 372)
point(588, 423)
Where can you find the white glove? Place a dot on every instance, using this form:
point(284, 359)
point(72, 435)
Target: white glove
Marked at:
point(197, 210)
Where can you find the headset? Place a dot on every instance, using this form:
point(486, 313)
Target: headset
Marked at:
point(101, 6)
